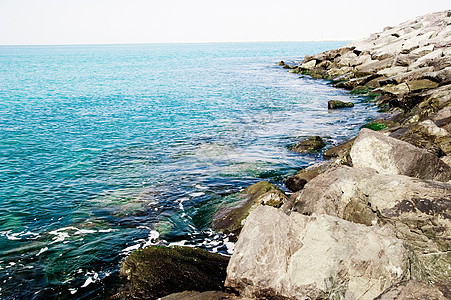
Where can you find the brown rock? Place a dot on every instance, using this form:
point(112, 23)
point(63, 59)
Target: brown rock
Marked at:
point(310, 144)
point(421, 84)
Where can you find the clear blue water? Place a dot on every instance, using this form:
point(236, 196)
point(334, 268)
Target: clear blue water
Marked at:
point(104, 149)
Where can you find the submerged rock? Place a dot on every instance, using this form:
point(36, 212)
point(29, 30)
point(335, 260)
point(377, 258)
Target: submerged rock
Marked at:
point(157, 271)
point(315, 257)
point(334, 104)
point(231, 216)
point(388, 155)
point(310, 144)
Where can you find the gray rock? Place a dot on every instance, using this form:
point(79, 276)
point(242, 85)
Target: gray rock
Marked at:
point(315, 257)
point(230, 217)
point(388, 155)
point(413, 289)
point(419, 211)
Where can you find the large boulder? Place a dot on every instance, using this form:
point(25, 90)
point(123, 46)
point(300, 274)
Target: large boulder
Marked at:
point(230, 217)
point(388, 155)
point(413, 289)
point(157, 271)
point(297, 257)
point(419, 211)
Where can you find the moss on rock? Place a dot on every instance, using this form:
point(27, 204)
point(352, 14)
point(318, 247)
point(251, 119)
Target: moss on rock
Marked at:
point(157, 271)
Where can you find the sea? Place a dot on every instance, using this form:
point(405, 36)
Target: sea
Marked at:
point(105, 149)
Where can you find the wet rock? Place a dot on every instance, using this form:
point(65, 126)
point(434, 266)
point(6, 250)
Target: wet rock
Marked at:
point(334, 104)
point(210, 295)
point(230, 217)
point(297, 182)
point(380, 124)
point(388, 155)
point(340, 152)
point(419, 211)
point(281, 63)
point(157, 271)
point(413, 289)
point(273, 258)
point(310, 144)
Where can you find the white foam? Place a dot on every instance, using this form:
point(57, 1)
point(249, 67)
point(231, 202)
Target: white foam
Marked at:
point(197, 194)
point(107, 230)
point(131, 248)
point(180, 243)
point(85, 231)
point(73, 291)
point(42, 251)
point(200, 187)
point(92, 277)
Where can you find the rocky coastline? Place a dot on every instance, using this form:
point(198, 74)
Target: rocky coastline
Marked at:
point(373, 221)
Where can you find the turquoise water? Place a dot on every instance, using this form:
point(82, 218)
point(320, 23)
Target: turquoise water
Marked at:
point(105, 149)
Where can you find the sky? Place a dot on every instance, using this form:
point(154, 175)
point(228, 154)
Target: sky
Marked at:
point(58, 22)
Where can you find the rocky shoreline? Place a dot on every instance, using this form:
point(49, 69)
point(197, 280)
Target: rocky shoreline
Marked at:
point(373, 221)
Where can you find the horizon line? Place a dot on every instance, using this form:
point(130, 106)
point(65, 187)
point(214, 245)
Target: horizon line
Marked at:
point(168, 43)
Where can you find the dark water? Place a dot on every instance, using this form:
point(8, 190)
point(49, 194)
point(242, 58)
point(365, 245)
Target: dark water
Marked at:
point(106, 149)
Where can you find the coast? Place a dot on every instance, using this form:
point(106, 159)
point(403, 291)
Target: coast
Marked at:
point(371, 221)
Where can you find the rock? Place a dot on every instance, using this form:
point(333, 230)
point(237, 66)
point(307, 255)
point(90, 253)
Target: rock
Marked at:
point(281, 63)
point(394, 90)
point(315, 257)
point(426, 135)
point(230, 217)
point(419, 211)
point(296, 182)
point(373, 66)
point(413, 289)
point(447, 160)
point(210, 295)
point(340, 152)
point(380, 124)
point(310, 144)
point(388, 155)
point(334, 104)
point(421, 84)
point(308, 65)
point(157, 271)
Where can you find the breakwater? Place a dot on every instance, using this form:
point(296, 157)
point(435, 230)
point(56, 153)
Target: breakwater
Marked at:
point(374, 220)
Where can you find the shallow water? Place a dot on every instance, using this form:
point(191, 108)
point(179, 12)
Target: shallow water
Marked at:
point(106, 149)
